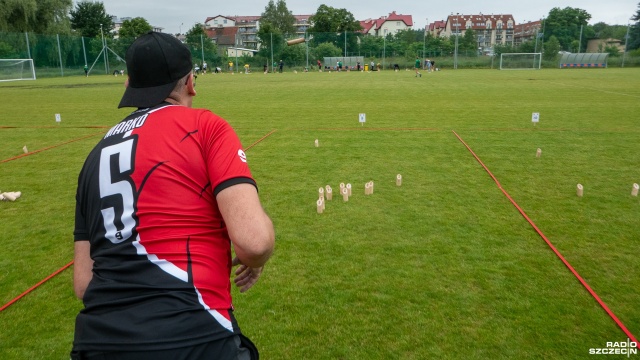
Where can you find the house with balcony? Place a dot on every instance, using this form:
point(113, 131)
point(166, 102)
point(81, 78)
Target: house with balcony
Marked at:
point(387, 25)
point(526, 32)
point(246, 29)
point(117, 25)
point(489, 29)
point(437, 28)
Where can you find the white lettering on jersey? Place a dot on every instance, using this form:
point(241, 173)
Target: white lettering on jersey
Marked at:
point(122, 188)
point(242, 155)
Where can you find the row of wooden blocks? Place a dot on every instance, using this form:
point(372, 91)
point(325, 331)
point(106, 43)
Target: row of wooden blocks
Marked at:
point(326, 193)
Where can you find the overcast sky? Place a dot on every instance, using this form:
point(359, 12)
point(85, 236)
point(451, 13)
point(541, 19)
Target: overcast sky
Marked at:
point(176, 15)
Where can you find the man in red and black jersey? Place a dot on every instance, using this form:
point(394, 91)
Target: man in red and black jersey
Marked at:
point(161, 201)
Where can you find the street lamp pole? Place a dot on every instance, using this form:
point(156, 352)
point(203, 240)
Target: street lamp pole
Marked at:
point(106, 71)
point(626, 43)
point(424, 43)
point(455, 57)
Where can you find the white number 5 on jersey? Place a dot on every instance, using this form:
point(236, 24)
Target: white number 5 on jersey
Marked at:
point(123, 188)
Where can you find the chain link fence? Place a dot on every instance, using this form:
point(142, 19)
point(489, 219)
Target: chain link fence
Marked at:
point(67, 55)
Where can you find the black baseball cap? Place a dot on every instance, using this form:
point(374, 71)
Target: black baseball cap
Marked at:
point(155, 63)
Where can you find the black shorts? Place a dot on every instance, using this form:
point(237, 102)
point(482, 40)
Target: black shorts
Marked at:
point(237, 347)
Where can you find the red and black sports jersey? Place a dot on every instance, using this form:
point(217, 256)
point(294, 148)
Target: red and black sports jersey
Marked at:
point(161, 251)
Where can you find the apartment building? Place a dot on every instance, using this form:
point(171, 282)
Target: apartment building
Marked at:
point(490, 29)
point(527, 32)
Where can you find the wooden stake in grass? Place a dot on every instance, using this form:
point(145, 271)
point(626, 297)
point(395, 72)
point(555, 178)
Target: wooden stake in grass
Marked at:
point(399, 180)
point(341, 188)
point(317, 143)
point(634, 191)
point(538, 153)
point(345, 194)
point(24, 148)
point(579, 190)
point(349, 189)
point(321, 193)
point(329, 192)
point(371, 187)
point(320, 206)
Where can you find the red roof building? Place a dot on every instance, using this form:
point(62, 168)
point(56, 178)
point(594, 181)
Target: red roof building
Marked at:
point(387, 24)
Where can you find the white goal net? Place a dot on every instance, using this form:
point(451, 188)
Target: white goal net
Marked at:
point(17, 69)
point(520, 61)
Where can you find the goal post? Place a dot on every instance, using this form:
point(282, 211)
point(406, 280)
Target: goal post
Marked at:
point(520, 61)
point(17, 69)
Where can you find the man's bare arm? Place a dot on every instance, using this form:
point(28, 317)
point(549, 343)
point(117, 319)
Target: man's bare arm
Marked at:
point(82, 267)
point(250, 229)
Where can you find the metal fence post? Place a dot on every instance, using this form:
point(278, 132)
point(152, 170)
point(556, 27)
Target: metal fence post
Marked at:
point(60, 56)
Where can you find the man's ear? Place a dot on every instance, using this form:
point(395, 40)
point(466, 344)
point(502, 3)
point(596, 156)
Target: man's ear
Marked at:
point(191, 85)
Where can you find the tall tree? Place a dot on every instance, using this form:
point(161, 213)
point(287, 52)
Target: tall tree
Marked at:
point(134, 28)
point(40, 16)
point(328, 19)
point(88, 16)
point(551, 48)
point(199, 43)
point(271, 41)
point(565, 25)
point(468, 41)
point(279, 17)
point(330, 24)
point(634, 32)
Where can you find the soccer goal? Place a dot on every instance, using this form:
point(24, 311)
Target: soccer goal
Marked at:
point(17, 69)
point(520, 61)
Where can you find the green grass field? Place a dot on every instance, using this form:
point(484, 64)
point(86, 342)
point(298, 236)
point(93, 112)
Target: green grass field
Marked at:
point(442, 267)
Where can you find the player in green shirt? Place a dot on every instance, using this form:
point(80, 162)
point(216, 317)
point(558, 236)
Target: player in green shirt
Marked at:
point(418, 67)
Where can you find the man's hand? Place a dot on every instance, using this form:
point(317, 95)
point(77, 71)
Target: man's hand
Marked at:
point(246, 277)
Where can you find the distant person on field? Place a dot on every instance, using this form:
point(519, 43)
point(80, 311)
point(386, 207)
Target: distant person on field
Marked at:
point(280, 66)
point(319, 65)
point(265, 68)
point(428, 65)
point(163, 201)
point(86, 70)
point(231, 67)
point(372, 66)
point(417, 66)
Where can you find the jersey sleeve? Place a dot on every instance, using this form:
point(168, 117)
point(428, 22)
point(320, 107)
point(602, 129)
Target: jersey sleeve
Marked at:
point(225, 157)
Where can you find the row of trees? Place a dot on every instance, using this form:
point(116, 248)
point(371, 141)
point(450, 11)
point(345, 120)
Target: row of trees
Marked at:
point(334, 32)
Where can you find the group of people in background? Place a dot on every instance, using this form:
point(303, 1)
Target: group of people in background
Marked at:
point(429, 66)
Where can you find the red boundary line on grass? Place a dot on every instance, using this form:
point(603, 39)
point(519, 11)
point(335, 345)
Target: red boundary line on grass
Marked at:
point(566, 263)
point(260, 140)
point(48, 148)
point(71, 263)
point(35, 286)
